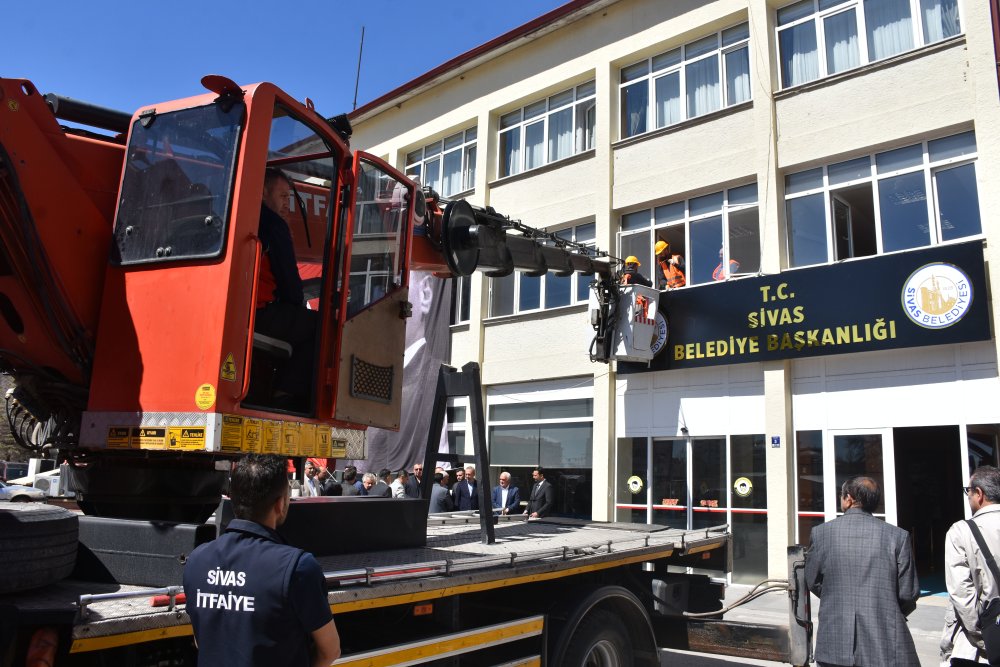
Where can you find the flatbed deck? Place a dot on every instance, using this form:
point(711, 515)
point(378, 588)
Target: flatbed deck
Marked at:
point(454, 561)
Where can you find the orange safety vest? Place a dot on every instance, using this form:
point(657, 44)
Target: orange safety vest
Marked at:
point(675, 277)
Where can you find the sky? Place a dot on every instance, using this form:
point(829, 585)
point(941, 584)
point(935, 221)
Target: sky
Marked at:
point(124, 55)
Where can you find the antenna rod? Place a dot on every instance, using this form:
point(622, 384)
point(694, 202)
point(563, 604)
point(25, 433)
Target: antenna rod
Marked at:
point(357, 76)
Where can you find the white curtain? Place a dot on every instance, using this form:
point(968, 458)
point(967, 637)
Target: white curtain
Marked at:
point(511, 148)
point(940, 19)
point(890, 28)
point(561, 134)
point(534, 145)
point(799, 56)
point(668, 99)
point(586, 120)
point(703, 90)
point(841, 31)
point(452, 177)
point(738, 76)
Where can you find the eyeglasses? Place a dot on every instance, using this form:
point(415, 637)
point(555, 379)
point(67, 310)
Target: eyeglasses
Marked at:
point(967, 489)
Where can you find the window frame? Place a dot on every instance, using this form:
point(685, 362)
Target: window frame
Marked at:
point(582, 101)
point(928, 167)
point(680, 68)
point(817, 18)
point(415, 166)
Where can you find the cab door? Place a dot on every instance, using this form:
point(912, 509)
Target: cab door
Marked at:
point(375, 306)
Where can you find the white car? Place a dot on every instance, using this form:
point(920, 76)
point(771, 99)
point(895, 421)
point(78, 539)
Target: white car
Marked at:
point(19, 494)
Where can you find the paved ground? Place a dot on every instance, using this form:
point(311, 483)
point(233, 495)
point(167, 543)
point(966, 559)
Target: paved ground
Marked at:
point(925, 625)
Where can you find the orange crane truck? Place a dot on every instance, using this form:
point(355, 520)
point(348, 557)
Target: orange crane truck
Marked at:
point(131, 273)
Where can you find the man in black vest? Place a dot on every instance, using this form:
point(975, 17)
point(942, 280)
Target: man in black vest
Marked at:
point(252, 599)
point(543, 496)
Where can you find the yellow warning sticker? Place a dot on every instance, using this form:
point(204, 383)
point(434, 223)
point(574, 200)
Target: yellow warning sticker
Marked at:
point(118, 437)
point(272, 438)
point(252, 435)
point(149, 438)
point(307, 440)
point(228, 372)
point(291, 437)
point(338, 449)
point(323, 442)
point(204, 398)
point(232, 433)
point(186, 437)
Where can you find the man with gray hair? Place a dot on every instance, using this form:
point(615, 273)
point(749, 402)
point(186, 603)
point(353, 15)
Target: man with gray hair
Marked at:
point(862, 569)
point(966, 573)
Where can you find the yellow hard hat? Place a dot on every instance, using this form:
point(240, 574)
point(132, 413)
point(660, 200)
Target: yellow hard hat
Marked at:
point(661, 246)
point(632, 259)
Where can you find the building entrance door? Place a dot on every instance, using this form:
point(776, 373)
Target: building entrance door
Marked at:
point(928, 472)
point(852, 453)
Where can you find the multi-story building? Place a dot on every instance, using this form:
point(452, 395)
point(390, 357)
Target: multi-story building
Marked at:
point(824, 168)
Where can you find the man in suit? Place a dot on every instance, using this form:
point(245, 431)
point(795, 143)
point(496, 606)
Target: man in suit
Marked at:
point(348, 485)
point(414, 481)
point(862, 569)
point(466, 497)
point(382, 488)
point(311, 485)
point(966, 573)
point(543, 496)
point(440, 498)
point(505, 498)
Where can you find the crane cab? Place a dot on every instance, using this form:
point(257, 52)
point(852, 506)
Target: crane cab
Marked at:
point(227, 326)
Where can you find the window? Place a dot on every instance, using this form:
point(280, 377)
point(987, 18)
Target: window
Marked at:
point(818, 38)
point(460, 299)
point(718, 235)
point(518, 293)
point(548, 130)
point(904, 198)
point(686, 82)
point(448, 166)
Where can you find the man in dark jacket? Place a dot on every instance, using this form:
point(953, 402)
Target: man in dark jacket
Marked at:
point(440, 498)
point(542, 500)
point(862, 569)
point(382, 488)
point(465, 492)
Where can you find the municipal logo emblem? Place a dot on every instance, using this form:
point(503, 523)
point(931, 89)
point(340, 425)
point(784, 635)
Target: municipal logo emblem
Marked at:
point(660, 333)
point(937, 295)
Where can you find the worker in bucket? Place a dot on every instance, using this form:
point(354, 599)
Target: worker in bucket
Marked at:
point(630, 275)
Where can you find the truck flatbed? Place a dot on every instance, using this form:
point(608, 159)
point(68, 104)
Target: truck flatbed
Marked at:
point(454, 561)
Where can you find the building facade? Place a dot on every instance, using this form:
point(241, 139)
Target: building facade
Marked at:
point(829, 146)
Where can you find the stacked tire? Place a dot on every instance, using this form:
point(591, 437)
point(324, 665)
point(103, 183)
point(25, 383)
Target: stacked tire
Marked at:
point(37, 545)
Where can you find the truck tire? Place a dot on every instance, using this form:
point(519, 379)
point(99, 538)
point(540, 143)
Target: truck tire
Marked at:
point(601, 640)
point(37, 545)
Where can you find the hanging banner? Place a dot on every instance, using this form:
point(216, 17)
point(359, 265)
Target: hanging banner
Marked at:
point(910, 299)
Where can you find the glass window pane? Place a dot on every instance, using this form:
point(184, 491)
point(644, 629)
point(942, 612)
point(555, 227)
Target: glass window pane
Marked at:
point(749, 485)
point(705, 204)
point(640, 246)
point(557, 290)
point(749, 546)
point(510, 149)
point(631, 460)
point(453, 141)
point(531, 293)
point(635, 99)
point(513, 446)
point(708, 482)
point(737, 76)
point(806, 230)
point(564, 409)
point(903, 204)
point(702, 83)
point(633, 72)
point(958, 202)
point(431, 150)
point(953, 146)
point(665, 60)
point(585, 232)
point(668, 99)
point(901, 158)
point(502, 296)
point(561, 134)
point(560, 99)
point(940, 19)
point(414, 157)
point(470, 168)
point(795, 12)
point(745, 194)
point(534, 110)
point(451, 180)
point(828, 4)
point(566, 446)
point(809, 464)
point(859, 455)
point(746, 457)
point(842, 172)
point(456, 414)
point(701, 46)
point(534, 145)
point(736, 34)
point(669, 213)
point(585, 90)
point(744, 242)
point(669, 482)
point(841, 32)
point(582, 287)
point(984, 444)
point(470, 134)
point(799, 56)
point(636, 220)
point(803, 180)
point(432, 173)
point(889, 26)
point(703, 256)
point(586, 122)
